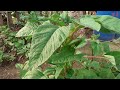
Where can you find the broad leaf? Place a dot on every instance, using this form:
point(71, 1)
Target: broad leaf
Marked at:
point(91, 23)
point(27, 30)
point(67, 54)
point(45, 41)
point(110, 22)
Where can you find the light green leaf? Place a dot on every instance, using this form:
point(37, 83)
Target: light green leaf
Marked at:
point(27, 30)
point(19, 66)
point(82, 43)
point(58, 71)
point(64, 15)
point(46, 39)
point(111, 59)
point(110, 22)
point(34, 74)
point(90, 22)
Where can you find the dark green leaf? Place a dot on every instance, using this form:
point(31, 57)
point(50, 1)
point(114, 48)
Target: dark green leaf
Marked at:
point(106, 73)
point(67, 54)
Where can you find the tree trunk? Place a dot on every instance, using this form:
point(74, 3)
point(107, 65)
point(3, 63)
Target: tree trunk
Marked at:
point(1, 20)
point(9, 19)
point(17, 16)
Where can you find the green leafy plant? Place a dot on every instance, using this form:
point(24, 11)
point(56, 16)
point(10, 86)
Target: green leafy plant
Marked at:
point(11, 47)
point(54, 42)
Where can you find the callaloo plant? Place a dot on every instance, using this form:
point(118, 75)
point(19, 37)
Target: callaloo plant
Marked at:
point(55, 42)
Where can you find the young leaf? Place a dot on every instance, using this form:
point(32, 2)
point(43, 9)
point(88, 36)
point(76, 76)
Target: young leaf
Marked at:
point(46, 39)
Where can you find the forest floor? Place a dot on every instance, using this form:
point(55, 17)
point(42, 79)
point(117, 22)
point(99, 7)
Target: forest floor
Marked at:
point(9, 71)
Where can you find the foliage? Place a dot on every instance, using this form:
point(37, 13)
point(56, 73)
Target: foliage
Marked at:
point(53, 43)
point(12, 47)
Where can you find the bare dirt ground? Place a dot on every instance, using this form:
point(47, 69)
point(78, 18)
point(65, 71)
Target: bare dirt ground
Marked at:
point(9, 71)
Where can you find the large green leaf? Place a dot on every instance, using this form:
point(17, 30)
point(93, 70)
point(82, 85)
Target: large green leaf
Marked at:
point(46, 39)
point(90, 22)
point(67, 54)
point(27, 30)
point(110, 22)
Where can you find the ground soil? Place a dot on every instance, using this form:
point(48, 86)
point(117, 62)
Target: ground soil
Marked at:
point(9, 71)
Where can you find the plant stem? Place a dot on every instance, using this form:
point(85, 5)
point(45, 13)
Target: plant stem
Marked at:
point(91, 57)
